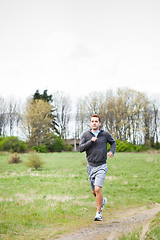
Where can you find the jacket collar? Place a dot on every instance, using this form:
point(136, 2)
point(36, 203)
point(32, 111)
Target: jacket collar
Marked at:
point(100, 130)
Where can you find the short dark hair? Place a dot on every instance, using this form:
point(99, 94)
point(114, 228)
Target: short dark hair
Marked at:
point(96, 115)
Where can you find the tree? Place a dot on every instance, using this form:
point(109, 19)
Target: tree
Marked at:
point(155, 121)
point(109, 112)
point(44, 96)
point(62, 105)
point(86, 107)
point(3, 116)
point(11, 114)
point(47, 98)
point(37, 121)
point(19, 114)
point(80, 117)
point(126, 113)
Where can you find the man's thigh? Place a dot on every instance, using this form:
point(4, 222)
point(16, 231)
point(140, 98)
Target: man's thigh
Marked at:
point(97, 175)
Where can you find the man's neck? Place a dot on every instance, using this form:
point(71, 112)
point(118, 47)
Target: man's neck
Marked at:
point(95, 130)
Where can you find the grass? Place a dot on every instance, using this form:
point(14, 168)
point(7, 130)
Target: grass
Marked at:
point(56, 200)
point(153, 232)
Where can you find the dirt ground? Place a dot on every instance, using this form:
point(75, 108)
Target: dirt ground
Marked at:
point(122, 222)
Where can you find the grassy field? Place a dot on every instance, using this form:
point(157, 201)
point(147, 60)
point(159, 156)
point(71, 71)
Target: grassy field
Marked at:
point(153, 233)
point(56, 200)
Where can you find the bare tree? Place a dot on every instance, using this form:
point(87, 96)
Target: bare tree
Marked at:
point(126, 113)
point(108, 111)
point(3, 116)
point(155, 120)
point(86, 107)
point(81, 113)
point(62, 104)
point(11, 114)
point(19, 116)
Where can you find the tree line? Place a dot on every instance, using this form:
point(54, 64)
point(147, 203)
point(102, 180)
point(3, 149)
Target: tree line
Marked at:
point(129, 115)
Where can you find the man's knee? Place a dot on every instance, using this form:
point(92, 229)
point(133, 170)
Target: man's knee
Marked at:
point(93, 191)
point(97, 189)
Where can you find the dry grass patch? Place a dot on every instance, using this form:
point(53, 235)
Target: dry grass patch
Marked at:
point(111, 178)
point(59, 198)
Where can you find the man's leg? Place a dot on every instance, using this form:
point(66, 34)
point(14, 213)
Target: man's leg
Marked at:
point(99, 197)
point(94, 193)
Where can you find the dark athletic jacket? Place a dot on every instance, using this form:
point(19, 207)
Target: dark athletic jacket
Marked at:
point(96, 152)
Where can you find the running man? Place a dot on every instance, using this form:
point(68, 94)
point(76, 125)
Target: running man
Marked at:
point(94, 143)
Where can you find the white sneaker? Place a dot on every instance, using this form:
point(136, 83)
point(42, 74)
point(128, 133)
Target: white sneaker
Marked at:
point(103, 203)
point(98, 216)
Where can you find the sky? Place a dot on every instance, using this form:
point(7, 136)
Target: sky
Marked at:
point(79, 47)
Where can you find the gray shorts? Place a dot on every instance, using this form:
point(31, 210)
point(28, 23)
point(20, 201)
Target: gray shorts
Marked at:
point(97, 175)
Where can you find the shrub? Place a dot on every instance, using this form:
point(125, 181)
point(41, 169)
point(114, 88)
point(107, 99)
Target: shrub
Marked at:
point(55, 143)
point(1, 144)
point(34, 161)
point(68, 148)
point(14, 158)
point(58, 145)
point(140, 148)
point(12, 144)
point(41, 148)
point(124, 146)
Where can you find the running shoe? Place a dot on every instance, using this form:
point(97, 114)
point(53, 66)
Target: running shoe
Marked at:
point(98, 216)
point(103, 203)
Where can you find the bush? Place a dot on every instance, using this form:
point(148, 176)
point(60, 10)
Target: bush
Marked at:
point(54, 143)
point(124, 146)
point(34, 161)
point(68, 148)
point(1, 144)
point(155, 145)
point(14, 158)
point(12, 144)
point(41, 148)
point(58, 145)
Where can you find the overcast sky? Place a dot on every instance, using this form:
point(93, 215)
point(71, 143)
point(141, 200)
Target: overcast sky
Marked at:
point(79, 46)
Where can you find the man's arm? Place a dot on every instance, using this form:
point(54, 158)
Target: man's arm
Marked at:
point(112, 143)
point(83, 145)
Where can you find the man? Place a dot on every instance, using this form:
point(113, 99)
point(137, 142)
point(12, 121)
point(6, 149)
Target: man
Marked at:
point(94, 143)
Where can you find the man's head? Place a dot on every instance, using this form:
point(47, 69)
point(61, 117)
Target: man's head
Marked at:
point(95, 122)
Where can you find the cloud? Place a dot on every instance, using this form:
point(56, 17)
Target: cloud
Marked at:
point(9, 66)
point(82, 51)
point(59, 45)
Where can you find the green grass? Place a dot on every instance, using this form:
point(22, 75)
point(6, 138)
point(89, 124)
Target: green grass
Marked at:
point(58, 199)
point(153, 233)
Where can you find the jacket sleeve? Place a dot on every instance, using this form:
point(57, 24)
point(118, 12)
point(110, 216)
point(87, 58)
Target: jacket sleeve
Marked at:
point(84, 145)
point(112, 143)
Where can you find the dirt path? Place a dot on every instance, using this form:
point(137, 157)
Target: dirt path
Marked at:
point(122, 223)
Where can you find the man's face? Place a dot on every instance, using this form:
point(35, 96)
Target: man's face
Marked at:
point(95, 124)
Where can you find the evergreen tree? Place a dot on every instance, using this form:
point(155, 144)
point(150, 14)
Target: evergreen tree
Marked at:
point(48, 98)
point(44, 96)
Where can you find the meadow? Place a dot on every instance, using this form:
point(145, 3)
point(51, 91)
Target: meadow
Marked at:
point(47, 203)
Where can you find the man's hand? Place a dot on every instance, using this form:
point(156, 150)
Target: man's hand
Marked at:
point(94, 139)
point(110, 154)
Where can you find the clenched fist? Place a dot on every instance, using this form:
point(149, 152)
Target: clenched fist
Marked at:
point(110, 154)
point(94, 139)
